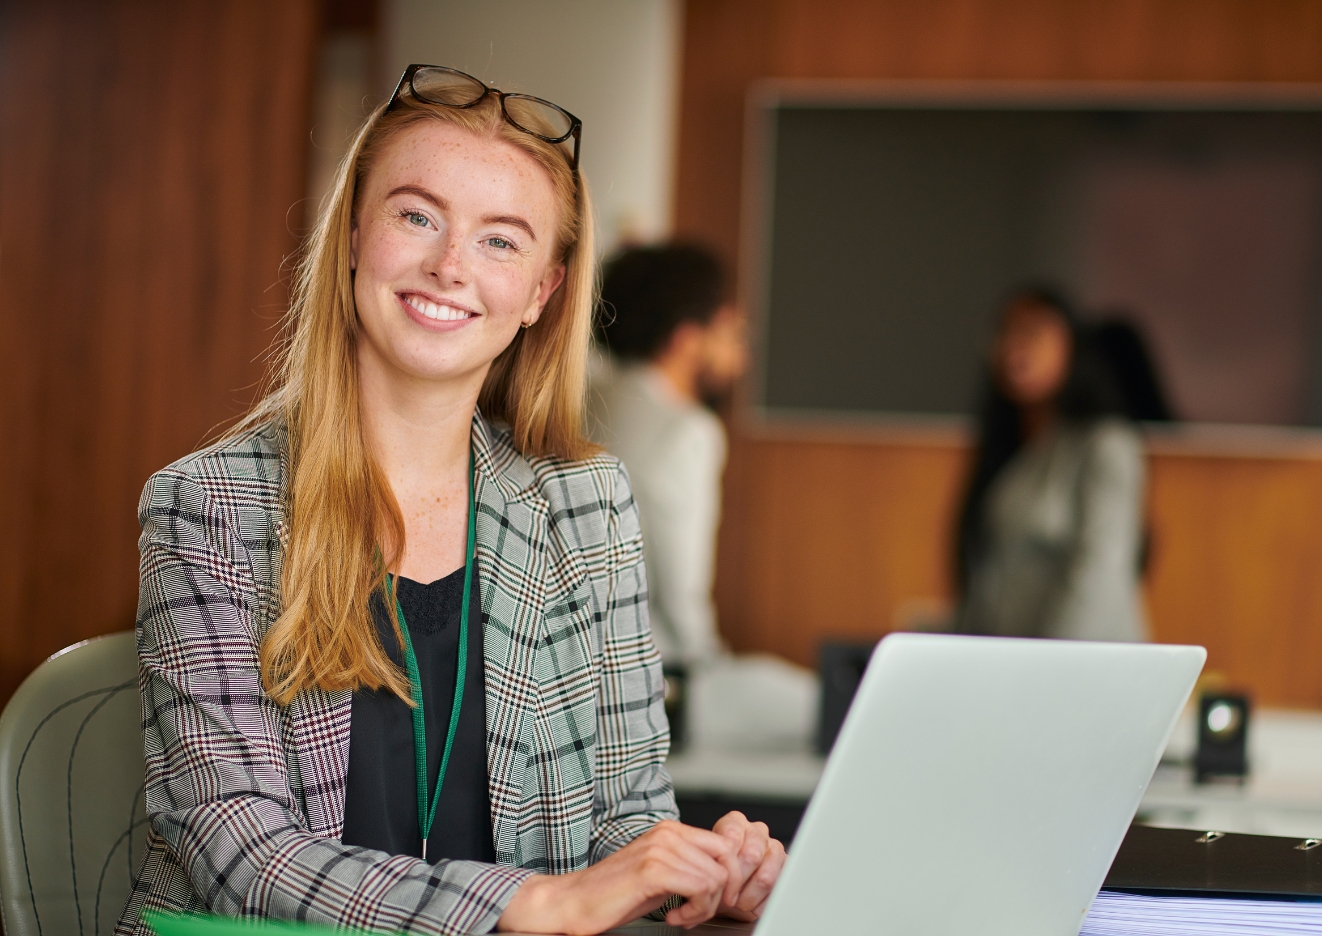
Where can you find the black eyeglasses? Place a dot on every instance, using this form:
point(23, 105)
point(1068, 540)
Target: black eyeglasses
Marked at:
point(447, 87)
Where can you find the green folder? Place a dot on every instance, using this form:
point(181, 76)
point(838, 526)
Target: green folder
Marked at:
point(170, 925)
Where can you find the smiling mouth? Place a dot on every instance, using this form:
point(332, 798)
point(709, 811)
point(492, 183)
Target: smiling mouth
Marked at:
point(434, 311)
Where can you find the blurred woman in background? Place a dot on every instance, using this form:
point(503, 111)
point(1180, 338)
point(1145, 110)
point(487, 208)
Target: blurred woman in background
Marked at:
point(1050, 532)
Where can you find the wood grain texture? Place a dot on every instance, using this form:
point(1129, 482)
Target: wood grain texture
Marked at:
point(833, 537)
point(839, 538)
point(150, 156)
point(830, 539)
point(1238, 552)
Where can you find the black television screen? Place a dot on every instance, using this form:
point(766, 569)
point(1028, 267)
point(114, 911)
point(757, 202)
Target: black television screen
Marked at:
point(889, 228)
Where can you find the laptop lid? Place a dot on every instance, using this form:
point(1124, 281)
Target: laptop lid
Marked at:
point(980, 785)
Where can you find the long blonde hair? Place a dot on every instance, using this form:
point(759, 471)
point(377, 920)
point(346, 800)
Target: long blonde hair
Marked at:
point(344, 529)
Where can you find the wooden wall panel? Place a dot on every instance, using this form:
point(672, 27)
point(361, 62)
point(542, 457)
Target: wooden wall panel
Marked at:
point(1236, 567)
point(805, 555)
point(833, 536)
point(838, 538)
point(150, 156)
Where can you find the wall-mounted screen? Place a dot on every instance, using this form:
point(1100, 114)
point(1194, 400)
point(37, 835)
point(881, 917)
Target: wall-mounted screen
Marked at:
point(886, 229)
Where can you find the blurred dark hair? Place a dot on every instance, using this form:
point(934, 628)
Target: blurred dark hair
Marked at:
point(648, 292)
point(1122, 343)
point(1089, 393)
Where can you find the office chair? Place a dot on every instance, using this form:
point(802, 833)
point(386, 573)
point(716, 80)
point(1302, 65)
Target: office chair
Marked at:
point(72, 821)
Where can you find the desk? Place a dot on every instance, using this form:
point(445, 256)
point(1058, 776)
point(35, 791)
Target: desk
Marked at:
point(1283, 795)
point(710, 928)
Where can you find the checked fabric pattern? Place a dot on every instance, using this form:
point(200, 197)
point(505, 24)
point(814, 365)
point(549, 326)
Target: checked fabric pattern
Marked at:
point(246, 799)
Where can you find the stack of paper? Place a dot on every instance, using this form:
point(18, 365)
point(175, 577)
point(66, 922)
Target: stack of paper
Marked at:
point(1115, 913)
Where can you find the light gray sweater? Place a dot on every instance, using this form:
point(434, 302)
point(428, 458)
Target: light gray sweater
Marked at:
point(1062, 533)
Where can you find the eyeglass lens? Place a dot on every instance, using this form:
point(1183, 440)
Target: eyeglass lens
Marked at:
point(537, 117)
point(442, 86)
point(455, 89)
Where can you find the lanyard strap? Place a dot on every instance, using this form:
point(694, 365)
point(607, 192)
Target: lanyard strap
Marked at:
point(427, 814)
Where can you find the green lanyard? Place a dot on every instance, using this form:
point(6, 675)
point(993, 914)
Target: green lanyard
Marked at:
point(427, 815)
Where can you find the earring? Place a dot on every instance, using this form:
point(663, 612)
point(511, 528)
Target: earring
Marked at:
point(525, 325)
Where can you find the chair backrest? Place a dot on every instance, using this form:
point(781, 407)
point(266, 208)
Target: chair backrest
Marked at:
point(72, 820)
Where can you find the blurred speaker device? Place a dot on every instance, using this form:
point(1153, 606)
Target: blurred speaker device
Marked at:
point(1223, 727)
point(676, 681)
point(840, 664)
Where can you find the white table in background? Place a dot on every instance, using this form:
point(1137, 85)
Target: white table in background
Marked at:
point(1282, 796)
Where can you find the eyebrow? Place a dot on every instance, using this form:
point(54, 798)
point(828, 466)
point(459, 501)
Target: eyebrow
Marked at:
point(441, 203)
point(513, 220)
point(420, 192)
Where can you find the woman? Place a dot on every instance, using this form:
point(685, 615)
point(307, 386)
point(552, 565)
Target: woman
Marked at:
point(1050, 532)
point(395, 663)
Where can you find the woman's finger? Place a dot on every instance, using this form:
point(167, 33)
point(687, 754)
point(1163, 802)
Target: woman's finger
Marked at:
point(642, 875)
point(713, 843)
point(750, 842)
point(757, 839)
point(670, 860)
point(722, 848)
point(732, 825)
point(701, 890)
point(759, 884)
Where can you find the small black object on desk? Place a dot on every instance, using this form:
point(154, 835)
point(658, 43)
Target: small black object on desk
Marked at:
point(840, 664)
point(1223, 729)
point(676, 680)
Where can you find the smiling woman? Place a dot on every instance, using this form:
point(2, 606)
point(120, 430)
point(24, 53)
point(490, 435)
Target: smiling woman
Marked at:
point(395, 660)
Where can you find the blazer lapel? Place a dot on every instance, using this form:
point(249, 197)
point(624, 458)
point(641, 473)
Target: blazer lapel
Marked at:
point(511, 558)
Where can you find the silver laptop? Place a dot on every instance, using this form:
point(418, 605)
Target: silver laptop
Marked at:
point(980, 786)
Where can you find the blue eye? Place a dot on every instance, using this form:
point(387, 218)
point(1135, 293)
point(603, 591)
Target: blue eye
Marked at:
point(498, 242)
point(415, 218)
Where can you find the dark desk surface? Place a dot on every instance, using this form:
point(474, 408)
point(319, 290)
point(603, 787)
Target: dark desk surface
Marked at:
point(652, 928)
point(712, 928)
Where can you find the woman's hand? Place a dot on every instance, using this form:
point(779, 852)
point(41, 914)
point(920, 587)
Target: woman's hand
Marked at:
point(760, 859)
point(670, 858)
point(729, 871)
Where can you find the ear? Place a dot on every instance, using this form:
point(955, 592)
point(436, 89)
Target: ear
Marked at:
point(687, 339)
point(550, 283)
point(353, 244)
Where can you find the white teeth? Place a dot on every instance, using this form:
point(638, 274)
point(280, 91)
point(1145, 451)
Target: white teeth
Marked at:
point(440, 313)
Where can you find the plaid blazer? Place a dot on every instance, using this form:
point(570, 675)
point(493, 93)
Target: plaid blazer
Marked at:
point(246, 798)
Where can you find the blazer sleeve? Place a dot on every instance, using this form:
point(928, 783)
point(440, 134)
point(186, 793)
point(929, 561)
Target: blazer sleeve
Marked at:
point(218, 751)
point(632, 790)
point(1100, 599)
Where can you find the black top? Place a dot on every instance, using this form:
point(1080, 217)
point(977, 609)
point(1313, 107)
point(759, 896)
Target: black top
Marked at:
point(380, 799)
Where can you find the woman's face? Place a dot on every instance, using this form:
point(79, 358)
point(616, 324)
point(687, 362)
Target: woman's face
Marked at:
point(452, 247)
point(1032, 353)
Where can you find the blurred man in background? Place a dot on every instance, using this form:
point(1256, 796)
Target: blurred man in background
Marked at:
point(676, 344)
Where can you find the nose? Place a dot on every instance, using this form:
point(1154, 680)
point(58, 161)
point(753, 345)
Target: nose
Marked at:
point(449, 263)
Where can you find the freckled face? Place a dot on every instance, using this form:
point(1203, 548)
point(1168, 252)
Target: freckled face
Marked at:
point(452, 251)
